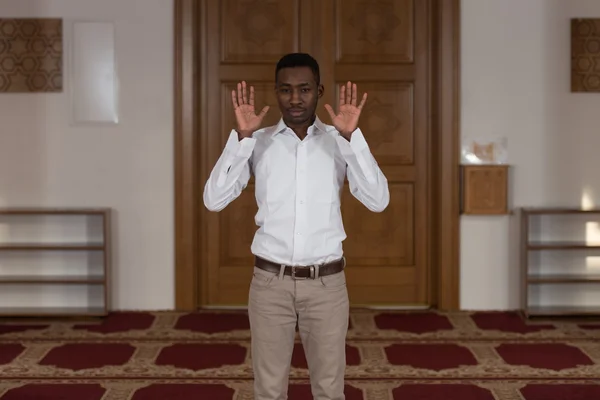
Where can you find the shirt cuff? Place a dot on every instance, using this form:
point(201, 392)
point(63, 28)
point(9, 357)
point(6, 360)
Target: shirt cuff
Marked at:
point(240, 148)
point(356, 144)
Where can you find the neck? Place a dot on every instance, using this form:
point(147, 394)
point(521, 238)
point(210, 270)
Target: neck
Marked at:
point(301, 130)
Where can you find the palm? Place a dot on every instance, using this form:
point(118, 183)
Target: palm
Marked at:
point(346, 120)
point(246, 118)
point(245, 114)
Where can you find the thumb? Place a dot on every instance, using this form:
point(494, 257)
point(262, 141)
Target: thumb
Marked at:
point(330, 111)
point(263, 112)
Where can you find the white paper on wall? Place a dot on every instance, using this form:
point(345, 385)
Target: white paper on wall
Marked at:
point(93, 72)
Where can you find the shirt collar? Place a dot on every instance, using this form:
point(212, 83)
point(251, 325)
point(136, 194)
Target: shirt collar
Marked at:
point(318, 125)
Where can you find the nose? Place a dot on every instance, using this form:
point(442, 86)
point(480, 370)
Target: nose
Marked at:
point(295, 99)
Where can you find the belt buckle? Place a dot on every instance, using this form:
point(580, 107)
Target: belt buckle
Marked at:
point(297, 278)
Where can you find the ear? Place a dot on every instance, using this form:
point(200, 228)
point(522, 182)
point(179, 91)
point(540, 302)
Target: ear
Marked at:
point(321, 90)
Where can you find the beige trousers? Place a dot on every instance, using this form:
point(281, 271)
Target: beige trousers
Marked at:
point(320, 307)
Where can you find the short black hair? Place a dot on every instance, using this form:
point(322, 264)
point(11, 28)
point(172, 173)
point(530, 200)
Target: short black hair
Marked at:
point(293, 60)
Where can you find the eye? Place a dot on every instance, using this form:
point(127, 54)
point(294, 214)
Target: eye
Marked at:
point(305, 90)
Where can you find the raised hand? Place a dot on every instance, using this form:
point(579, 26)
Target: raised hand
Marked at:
point(346, 119)
point(247, 119)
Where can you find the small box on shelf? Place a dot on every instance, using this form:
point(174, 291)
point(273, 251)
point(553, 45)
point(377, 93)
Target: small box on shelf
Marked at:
point(559, 249)
point(484, 189)
point(55, 262)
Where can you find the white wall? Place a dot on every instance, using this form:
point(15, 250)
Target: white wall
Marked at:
point(516, 83)
point(44, 161)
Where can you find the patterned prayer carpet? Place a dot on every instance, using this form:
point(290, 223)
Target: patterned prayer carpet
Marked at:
point(391, 355)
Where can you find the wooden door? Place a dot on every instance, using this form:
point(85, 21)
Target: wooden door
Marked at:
point(383, 47)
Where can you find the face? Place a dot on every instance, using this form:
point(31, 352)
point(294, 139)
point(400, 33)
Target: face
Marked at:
point(297, 94)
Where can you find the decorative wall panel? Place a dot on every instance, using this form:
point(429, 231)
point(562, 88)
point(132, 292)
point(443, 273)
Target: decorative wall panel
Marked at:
point(31, 55)
point(585, 55)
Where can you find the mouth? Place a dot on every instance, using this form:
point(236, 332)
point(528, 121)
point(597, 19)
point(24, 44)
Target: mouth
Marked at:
point(296, 111)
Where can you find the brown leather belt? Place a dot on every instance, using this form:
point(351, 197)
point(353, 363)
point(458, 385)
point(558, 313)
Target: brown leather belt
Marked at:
point(302, 272)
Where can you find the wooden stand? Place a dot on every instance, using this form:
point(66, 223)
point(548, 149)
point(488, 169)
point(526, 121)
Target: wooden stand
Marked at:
point(484, 189)
point(37, 220)
point(529, 217)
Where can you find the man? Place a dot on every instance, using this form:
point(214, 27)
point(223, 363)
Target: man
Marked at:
point(299, 167)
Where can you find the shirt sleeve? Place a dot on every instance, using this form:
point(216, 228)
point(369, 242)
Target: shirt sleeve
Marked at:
point(231, 173)
point(367, 182)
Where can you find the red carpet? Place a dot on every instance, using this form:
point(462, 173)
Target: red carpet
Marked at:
point(205, 355)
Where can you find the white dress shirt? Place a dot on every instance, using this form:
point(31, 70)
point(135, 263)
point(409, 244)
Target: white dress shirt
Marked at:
point(297, 187)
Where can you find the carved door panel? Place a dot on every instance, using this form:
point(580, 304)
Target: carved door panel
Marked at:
point(380, 45)
point(383, 47)
point(244, 40)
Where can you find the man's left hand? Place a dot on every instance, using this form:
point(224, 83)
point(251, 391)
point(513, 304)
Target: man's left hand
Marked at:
point(346, 120)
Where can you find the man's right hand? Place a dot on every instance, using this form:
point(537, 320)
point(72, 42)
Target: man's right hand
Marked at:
point(247, 120)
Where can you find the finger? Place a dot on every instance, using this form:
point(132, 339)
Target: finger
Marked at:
point(234, 100)
point(240, 99)
point(244, 94)
point(362, 102)
point(342, 95)
point(251, 101)
point(354, 94)
point(348, 93)
point(263, 112)
point(330, 111)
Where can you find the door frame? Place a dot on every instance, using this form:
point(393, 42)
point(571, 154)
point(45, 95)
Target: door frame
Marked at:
point(189, 211)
